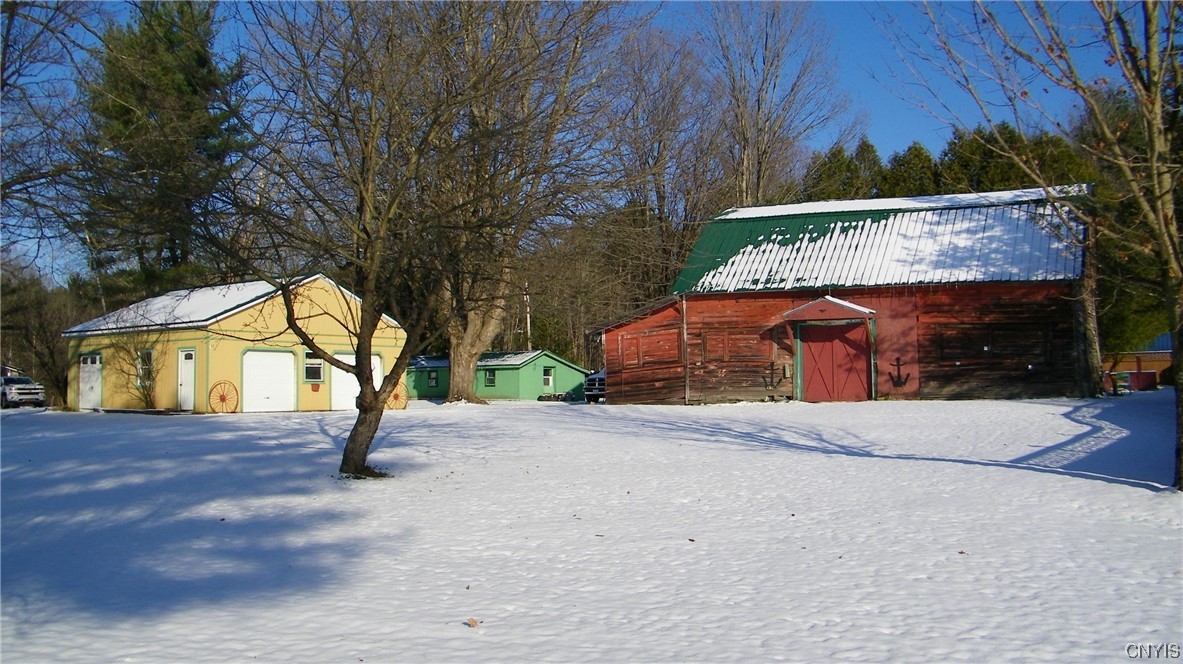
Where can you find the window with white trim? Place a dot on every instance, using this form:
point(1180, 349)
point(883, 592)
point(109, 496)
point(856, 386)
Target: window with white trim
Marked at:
point(433, 378)
point(548, 376)
point(314, 368)
point(490, 378)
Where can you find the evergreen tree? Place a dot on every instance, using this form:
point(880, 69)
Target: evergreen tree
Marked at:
point(970, 162)
point(161, 142)
point(909, 173)
point(839, 175)
point(979, 160)
point(869, 169)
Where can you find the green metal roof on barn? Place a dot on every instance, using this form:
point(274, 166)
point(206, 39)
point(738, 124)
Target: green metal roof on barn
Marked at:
point(986, 237)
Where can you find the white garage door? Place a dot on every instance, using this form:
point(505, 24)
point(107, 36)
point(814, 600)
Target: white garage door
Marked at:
point(344, 385)
point(268, 382)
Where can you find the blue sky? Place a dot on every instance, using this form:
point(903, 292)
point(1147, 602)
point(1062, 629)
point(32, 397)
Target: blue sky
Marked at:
point(864, 53)
point(867, 58)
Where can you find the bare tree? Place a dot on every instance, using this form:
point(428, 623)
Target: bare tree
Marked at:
point(350, 119)
point(32, 318)
point(527, 147)
point(669, 159)
point(774, 76)
point(40, 52)
point(664, 176)
point(690, 112)
point(159, 142)
point(1013, 60)
point(410, 146)
point(137, 364)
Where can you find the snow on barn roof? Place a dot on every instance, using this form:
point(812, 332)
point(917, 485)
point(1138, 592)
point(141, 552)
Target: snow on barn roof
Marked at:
point(190, 308)
point(996, 236)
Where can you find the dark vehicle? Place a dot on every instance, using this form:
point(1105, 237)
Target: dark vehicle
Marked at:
point(19, 390)
point(593, 386)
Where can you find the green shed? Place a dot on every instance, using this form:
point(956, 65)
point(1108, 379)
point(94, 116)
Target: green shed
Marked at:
point(524, 375)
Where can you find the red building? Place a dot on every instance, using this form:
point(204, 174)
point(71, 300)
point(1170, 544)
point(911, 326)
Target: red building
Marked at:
point(931, 297)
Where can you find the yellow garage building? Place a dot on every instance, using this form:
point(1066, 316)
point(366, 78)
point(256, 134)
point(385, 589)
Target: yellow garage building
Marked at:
point(225, 349)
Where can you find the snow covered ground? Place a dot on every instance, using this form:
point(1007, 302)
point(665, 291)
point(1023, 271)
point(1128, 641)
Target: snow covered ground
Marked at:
point(889, 531)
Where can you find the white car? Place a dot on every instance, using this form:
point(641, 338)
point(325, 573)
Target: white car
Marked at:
point(19, 391)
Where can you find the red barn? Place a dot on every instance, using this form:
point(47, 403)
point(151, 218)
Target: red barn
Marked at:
point(931, 297)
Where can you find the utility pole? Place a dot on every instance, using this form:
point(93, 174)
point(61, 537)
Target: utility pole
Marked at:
point(529, 342)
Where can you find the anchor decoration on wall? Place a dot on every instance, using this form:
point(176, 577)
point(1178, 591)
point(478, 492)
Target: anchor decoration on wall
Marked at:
point(772, 381)
point(898, 379)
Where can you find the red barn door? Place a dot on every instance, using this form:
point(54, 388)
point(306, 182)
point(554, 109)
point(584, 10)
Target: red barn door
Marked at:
point(836, 362)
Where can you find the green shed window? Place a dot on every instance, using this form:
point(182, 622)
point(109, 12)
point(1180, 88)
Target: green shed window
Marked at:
point(548, 376)
point(433, 378)
point(490, 378)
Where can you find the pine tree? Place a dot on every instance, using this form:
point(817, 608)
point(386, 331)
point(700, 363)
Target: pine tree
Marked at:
point(161, 142)
point(839, 175)
point(979, 160)
point(909, 173)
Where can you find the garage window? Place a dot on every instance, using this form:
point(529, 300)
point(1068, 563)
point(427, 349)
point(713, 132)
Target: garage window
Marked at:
point(490, 378)
point(433, 378)
point(314, 368)
point(548, 376)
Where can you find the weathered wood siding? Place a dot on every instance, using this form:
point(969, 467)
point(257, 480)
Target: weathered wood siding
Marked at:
point(739, 348)
point(997, 340)
point(737, 351)
point(644, 361)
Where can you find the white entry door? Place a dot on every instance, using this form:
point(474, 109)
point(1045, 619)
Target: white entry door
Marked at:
point(186, 374)
point(90, 382)
point(344, 385)
point(268, 381)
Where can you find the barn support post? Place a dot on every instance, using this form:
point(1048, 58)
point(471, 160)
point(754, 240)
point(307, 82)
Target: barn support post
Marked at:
point(874, 357)
point(685, 357)
point(798, 365)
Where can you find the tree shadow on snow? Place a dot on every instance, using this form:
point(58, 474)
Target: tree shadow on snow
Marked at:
point(1127, 442)
point(128, 515)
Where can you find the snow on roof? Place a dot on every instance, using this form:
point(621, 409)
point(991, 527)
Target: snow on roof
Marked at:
point(1003, 236)
point(829, 298)
point(507, 359)
point(188, 308)
point(1011, 197)
point(511, 359)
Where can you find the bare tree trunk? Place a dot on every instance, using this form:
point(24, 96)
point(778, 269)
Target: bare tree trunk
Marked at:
point(462, 359)
point(1176, 369)
point(1092, 337)
point(465, 345)
point(361, 437)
